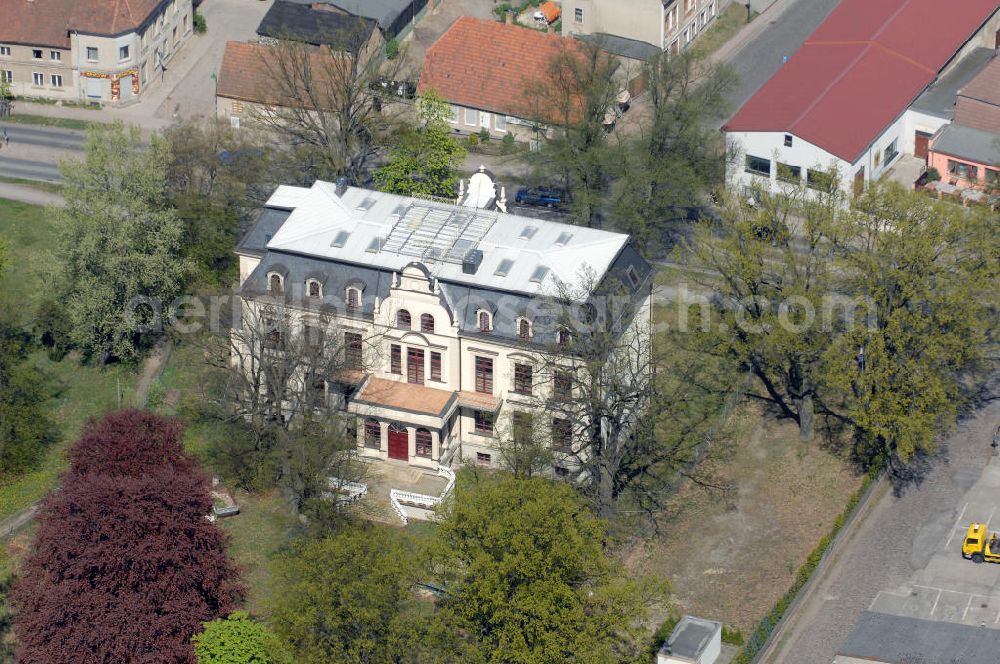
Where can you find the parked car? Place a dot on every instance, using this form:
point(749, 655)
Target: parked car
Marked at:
point(547, 196)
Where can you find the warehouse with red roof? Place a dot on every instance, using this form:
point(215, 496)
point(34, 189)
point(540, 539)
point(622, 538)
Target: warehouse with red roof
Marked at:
point(842, 103)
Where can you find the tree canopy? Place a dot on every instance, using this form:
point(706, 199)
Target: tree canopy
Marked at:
point(237, 640)
point(125, 566)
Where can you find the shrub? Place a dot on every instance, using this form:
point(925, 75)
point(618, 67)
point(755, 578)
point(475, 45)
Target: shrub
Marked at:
point(933, 174)
point(484, 135)
point(392, 49)
point(199, 23)
point(473, 140)
point(501, 10)
point(508, 143)
point(732, 636)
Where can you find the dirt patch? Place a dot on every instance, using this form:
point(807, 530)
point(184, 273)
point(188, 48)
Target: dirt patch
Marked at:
point(729, 557)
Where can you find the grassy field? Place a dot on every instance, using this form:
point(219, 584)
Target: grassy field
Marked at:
point(725, 27)
point(30, 232)
point(51, 187)
point(46, 121)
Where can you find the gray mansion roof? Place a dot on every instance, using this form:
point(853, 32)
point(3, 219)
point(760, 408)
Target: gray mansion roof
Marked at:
point(362, 237)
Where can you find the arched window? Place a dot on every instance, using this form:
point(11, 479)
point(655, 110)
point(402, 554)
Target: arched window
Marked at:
point(425, 446)
point(523, 329)
point(274, 284)
point(353, 299)
point(426, 323)
point(563, 338)
point(373, 433)
point(485, 322)
point(403, 320)
point(314, 289)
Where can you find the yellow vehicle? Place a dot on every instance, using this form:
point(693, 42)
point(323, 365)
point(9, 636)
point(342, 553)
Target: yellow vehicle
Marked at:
point(978, 548)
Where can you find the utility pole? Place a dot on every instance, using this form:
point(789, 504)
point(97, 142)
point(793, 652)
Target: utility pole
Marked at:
point(749, 11)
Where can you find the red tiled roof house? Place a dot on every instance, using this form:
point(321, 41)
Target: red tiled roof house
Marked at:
point(843, 101)
point(107, 51)
point(485, 70)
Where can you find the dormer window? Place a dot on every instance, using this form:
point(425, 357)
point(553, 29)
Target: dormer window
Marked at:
point(275, 284)
point(314, 288)
point(353, 299)
point(427, 323)
point(563, 338)
point(485, 322)
point(403, 319)
point(524, 329)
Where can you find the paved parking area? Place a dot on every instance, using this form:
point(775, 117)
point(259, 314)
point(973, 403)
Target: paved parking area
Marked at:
point(949, 587)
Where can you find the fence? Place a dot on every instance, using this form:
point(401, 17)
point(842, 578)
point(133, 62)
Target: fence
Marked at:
point(398, 497)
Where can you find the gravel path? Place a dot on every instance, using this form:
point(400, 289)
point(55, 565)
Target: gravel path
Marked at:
point(888, 546)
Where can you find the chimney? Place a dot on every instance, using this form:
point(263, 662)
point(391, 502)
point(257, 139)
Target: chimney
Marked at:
point(341, 186)
point(510, 17)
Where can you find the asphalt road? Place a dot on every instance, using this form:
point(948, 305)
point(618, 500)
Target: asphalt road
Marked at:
point(34, 151)
point(761, 57)
point(28, 170)
point(49, 137)
point(906, 547)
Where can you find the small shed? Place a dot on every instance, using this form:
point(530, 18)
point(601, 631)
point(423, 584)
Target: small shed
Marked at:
point(693, 641)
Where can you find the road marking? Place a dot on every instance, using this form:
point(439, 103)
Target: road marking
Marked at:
point(966, 608)
point(958, 524)
point(934, 608)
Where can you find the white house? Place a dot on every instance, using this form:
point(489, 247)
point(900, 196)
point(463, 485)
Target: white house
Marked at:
point(844, 101)
point(692, 641)
point(447, 309)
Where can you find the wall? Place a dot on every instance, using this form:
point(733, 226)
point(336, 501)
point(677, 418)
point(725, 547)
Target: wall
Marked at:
point(940, 161)
point(459, 122)
point(684, 20)
point(22, 66)
point(771, 145)
point(634, 19)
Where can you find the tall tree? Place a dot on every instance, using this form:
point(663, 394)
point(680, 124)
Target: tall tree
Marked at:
point(777, 291)
point(425, 158)
point(570, 106)
point(121, 242)
point(325, 107)
point(678, 154)
point(342, 596)
point(124, 566)
point(927, 274)
point(528, 580)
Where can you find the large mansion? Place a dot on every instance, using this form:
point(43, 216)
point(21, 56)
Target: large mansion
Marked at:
point(446, 314)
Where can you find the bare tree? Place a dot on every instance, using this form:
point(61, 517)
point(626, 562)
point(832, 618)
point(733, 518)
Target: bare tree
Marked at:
point(324, 104)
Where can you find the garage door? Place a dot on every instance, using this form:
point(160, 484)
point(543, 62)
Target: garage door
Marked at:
point(94, 88)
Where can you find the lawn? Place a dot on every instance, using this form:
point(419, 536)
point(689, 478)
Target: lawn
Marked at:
point(46, 121)
point(30, 232)
point(51, 187)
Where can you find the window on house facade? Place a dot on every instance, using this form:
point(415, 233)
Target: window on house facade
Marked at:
point(499, 122)
point(453, 116)
point(274, 284)
point(484, 459)
point(36, 54)
point(632, 275)
point(57, 80)
point(578, 15)
point(522, 378)
point(373, 433)
point(38, 79)
point(471, 117)
point(890, 152)
point(819, 180)
point(562, 434)
point(313, 335)
point(435, 365)
point(403, 320)
point(92, 53)
point(353, 350)
point(415, 366)
point(758, 165)
point(123, 52)
point(272, 335)
point(992, 177)
point(788, 140)
point(483, 421)
point(520, 427)
point(562, 385)
point(353, 299)
point(55, 55)
point(427, 323)
point(484, 375)
point(8, 76)
point(4, 50)
point(395, 359)
point(523, 330)
point(425, 444)
point(563, 338)
point(485, 324)
point(314, 288)
point(962, 170)
point(788, 173)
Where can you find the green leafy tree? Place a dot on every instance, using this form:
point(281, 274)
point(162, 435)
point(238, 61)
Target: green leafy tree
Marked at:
point(342, 596)
point(528, 580)
point(121, 242)
point(777, 282)
point(425, 158)
point(928, 273)
point(237, 639)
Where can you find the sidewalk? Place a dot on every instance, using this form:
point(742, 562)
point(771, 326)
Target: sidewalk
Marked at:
point(751, 31)
point(25, 194)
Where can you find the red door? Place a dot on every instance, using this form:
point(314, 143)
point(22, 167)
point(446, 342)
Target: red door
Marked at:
point(921, 141)
point(399, 443)
point(415, 365)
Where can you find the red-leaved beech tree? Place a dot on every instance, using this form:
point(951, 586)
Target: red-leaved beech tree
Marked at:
point(125, 567)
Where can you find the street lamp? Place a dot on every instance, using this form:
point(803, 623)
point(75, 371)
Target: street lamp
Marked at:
point(749, 11)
